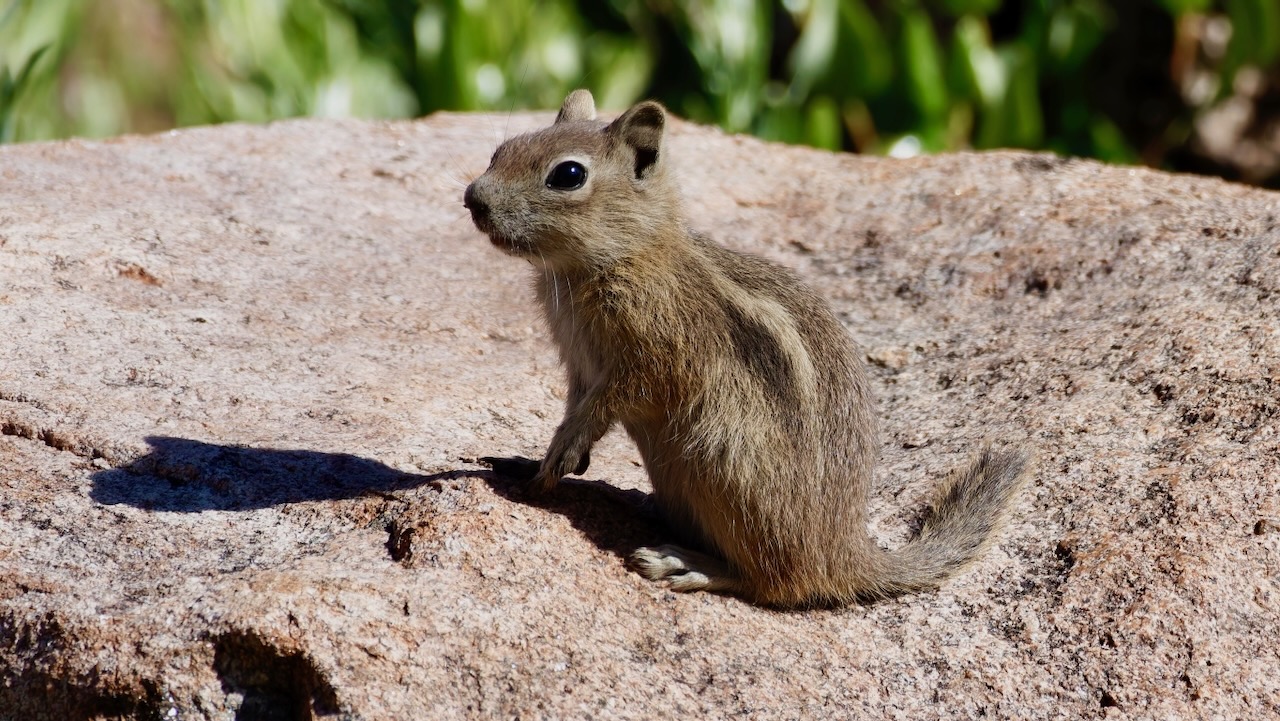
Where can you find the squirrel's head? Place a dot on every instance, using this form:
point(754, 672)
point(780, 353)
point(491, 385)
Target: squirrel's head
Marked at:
point(580, 194)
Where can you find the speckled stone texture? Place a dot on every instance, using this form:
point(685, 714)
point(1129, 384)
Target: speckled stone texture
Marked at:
point(245, 372)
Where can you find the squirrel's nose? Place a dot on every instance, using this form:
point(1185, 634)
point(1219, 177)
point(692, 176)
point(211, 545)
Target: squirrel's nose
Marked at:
point(471, 201)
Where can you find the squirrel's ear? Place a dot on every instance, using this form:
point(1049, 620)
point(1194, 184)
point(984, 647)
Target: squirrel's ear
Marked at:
point(641, 128)
point(579, 105)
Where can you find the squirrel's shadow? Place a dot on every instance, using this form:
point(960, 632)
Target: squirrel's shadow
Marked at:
point(615, 520)
point(188, 476)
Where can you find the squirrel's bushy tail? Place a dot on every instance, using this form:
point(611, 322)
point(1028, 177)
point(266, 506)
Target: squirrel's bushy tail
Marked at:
point(968, 510)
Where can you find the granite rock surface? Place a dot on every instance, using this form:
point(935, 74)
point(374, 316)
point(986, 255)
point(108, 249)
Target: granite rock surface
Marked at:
point(246, 372)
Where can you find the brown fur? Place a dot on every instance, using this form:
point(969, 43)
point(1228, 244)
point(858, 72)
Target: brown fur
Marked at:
point(744, 394)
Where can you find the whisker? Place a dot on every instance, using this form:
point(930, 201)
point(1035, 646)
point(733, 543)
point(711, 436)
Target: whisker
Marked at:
point(555, 282)
point(569, 284)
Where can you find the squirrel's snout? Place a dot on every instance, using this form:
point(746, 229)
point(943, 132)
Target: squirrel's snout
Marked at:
point(472, 201)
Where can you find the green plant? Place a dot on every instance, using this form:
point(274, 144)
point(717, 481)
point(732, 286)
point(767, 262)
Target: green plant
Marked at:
point(1085, 77)
point(11, 87)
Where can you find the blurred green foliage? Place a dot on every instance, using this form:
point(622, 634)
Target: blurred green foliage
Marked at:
point(1084, 77)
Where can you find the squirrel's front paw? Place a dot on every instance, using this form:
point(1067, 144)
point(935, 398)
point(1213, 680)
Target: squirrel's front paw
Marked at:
point(543, 482)
point(555, 467)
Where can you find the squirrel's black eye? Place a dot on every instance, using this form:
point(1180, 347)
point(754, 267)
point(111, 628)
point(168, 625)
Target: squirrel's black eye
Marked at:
point(569, 175)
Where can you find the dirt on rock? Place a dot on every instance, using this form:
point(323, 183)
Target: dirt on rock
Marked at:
point(246, 372)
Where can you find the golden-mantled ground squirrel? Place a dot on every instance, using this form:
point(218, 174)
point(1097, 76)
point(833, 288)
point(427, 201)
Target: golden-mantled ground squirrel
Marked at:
point(745, 395)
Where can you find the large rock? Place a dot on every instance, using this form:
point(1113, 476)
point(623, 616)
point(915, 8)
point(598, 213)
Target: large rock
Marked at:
point(245, 373)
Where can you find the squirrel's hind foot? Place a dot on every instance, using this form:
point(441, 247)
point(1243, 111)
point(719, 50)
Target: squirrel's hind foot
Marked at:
point(684, 570)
